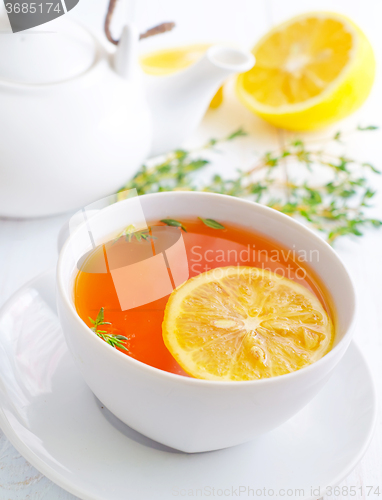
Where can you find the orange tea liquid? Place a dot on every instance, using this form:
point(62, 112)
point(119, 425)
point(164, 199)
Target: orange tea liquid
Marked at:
point(206, 248)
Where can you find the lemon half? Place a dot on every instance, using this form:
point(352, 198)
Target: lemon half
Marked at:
point(310, 71)
point(244, 323)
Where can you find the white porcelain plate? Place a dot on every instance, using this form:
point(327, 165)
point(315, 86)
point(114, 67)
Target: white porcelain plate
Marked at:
point(55, 421)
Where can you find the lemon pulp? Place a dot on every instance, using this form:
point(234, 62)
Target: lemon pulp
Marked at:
point(245, 323)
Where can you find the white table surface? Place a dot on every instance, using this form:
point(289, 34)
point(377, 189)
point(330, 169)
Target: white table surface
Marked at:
point(28, 247)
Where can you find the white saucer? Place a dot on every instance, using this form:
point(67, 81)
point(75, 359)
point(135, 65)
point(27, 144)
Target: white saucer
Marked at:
point(54, 420)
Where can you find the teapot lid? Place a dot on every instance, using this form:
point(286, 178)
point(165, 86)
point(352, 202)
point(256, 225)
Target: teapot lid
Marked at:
point(49, 54)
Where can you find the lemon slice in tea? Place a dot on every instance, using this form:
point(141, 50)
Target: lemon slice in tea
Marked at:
point(244, 323)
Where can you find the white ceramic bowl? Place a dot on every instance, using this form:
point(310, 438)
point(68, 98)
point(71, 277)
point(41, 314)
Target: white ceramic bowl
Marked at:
point(197, 415)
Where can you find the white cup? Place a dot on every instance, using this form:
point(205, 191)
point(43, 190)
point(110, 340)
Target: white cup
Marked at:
point(194, 415)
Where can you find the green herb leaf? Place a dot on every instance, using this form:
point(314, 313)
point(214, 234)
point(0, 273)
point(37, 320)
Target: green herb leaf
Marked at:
point(238, 133)
point(369, 127)
point(212, 223)
point(113, 341)
point(337, 136)
point(174, 223)
point(336, 207)
point(372, 168)
point(109, 338)
point(129, 233)
point(99, 321)
point(100, 317)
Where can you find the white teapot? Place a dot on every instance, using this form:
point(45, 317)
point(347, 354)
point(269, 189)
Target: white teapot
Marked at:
point(78, 121)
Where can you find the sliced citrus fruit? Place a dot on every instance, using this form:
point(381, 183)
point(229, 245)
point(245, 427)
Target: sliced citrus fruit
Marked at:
point(244, 323)
point(167, 61)
point(310, 71)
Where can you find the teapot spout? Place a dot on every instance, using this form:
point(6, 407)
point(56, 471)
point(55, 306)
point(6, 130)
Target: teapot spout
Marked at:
point(178, 102)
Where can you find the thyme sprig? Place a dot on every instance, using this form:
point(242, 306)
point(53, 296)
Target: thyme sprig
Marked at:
point(129, 233)
point(113, 340)
point(336, 206)
point(176, 171)
point(208, 222)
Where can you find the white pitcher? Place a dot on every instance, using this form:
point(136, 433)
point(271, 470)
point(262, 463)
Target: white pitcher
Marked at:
point(76, 121)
